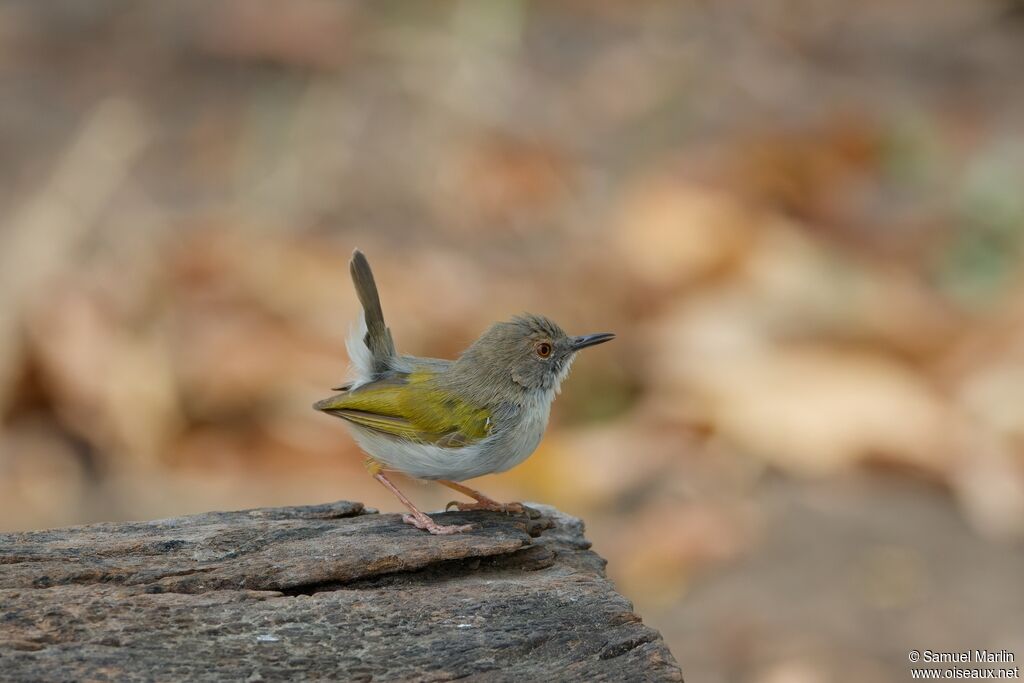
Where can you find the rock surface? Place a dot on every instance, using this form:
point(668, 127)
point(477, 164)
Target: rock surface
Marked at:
point(321, 592)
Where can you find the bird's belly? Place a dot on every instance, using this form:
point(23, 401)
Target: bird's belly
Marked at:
point(498, 452)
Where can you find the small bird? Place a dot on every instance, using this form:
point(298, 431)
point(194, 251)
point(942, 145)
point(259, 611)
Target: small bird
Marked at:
point(449, 421)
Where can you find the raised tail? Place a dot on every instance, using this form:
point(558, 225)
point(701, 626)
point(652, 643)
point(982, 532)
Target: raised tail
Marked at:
point(377, 339)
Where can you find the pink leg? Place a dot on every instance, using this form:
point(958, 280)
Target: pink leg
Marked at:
point(417, 518)
point(482, 502)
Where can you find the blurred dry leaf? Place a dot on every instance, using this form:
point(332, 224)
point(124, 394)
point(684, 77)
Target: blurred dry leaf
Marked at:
point(589, 468)
point(42, 480)
point(115, 385)
point(638, 87)
point(669, 233)
point(804, 286)
point(988, 480)
point(664, 545)
point(815, 410)
point(502, 181)
point(989, 383)
point(794, 671)
point(302, 33)
point(64, 209)
point(819, 175)
point(303, 281)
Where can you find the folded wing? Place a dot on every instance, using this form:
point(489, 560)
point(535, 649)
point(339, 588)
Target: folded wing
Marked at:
point(411, 406)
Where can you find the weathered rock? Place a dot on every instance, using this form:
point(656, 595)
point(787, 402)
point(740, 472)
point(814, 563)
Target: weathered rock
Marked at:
point(321, 592)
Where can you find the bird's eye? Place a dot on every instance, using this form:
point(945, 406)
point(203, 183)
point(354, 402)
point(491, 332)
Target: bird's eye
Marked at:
point(543, 349)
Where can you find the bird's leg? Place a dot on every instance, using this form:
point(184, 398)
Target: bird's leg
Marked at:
point(482, 502)
point(417, 518)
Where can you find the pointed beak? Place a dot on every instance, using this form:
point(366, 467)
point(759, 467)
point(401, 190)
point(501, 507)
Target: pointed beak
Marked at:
point(591, 340)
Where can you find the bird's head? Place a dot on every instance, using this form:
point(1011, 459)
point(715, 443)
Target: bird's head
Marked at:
point(531, 350)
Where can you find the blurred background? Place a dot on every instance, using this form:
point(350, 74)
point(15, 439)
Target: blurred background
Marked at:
point(804, 453)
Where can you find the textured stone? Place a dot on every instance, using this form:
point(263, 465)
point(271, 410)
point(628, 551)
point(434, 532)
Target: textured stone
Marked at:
point(321, 592)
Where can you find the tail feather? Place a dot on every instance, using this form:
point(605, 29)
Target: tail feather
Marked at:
point(378, 337)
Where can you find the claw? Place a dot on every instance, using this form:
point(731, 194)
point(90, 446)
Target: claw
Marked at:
point(427, 524)
point(491, 506)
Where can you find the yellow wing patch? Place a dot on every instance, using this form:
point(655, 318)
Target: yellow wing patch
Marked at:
point(412, 407)
point(381, 423)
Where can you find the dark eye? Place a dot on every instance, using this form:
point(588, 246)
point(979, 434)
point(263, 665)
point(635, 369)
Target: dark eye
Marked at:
point(543, 349)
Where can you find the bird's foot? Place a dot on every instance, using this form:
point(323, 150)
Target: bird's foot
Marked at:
point(427, 524)
point(493, 506)
point(490, 505)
